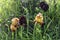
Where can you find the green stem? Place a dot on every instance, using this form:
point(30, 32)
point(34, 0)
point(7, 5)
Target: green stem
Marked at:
point(16, 35)
point(21, 33)
point(12, 35)
point(34, 31)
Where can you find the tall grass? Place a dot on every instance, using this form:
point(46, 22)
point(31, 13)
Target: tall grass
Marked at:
point(15, 8)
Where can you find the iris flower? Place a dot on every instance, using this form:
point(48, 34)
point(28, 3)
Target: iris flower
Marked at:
point(22, 21)
point(39, 18)
point(14, 24)
point(44, 6)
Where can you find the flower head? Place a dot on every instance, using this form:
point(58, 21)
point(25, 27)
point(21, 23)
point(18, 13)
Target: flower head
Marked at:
point(15, 21)
point(39, 18)
point(13, 28)
point(44, 6)
point(22, 21)
point(14, 24)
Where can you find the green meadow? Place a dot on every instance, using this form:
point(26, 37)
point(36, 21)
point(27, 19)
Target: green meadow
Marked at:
point(30, 8)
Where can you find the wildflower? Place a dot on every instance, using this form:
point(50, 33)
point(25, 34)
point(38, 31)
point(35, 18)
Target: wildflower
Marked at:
point(39, 18)
point(13, 28)
point(44, 6)
point(15, 21)
point(22, 21)
point(14, 24)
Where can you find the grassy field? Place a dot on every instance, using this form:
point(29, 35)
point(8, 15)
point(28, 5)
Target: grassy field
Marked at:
point(15, 8)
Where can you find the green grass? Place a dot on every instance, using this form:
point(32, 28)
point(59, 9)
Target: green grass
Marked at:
point(12, 8)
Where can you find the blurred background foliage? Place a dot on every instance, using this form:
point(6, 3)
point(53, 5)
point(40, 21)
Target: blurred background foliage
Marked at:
point(15, 8)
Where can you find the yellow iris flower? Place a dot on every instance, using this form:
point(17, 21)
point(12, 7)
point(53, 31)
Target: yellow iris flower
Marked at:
point(39, 18)
point(14, 24)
